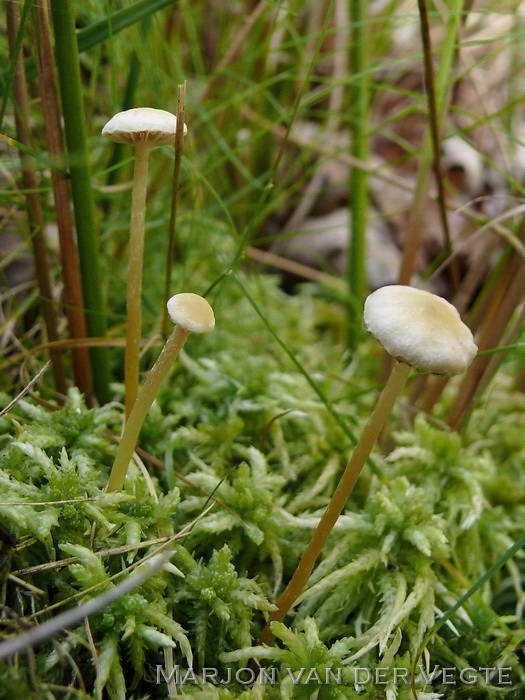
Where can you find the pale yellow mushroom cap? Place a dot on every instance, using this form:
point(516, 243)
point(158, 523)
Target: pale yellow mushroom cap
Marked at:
point(154, 127)
point(192, 312)
point(420, 329)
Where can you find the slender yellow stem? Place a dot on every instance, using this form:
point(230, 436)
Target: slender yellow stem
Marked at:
point(359, 456)
point(136, 418)
point(134, 293)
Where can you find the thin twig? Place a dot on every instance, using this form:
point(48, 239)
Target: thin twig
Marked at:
point(436, 136)
point(25, 390)
point(510, 294)
point(295, 268)
point(174, 248)
point(124, 549)
point(74, 616)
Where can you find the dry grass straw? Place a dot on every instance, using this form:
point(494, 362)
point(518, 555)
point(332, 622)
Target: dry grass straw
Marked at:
point(30, 182)
point(73, 298)
point(174, 246)
point(499, 312)
point(492, 320)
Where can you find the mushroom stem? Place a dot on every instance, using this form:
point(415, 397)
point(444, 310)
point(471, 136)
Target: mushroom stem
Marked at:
point(379, 416)
point(136, 418)
point(134, 291)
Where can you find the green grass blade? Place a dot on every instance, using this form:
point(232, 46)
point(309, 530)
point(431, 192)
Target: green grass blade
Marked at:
point(99, 31)
point(519, 544)
point(41, 158)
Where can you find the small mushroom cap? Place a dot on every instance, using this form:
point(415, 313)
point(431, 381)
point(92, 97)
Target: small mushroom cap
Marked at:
point(420, 329)
point(192, 312)
point(144, 125)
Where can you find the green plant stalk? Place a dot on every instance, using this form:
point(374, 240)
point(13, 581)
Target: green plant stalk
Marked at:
point(146, 397)
point(134, 289)
point(262, 143)
point(362, 450)
point(358, 182)
point(68, 66)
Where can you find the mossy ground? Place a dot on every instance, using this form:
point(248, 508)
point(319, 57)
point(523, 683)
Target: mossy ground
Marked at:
point(239, 421)
point(251, 431)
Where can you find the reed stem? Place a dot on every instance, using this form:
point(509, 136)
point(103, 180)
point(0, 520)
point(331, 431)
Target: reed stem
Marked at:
point(358, 182)
point(68, 67)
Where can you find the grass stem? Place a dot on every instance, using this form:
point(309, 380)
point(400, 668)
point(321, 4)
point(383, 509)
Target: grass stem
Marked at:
point(435, 132)
point(68, 66)
point(358, 182)
point(416, 221)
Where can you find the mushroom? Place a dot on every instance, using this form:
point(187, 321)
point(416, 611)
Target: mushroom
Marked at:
point(421, 331)
point(142, 128)
point(192, 314)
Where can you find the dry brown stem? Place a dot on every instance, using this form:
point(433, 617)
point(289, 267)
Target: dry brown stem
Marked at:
point(73, 297)
point(508, 294)
point(30, 183)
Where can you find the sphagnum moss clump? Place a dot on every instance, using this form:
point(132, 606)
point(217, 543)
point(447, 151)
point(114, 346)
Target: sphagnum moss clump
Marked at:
point(411, 547)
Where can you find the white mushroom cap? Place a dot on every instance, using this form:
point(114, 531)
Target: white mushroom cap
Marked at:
point(145, 125)
point(420, 329)
point(192, 312)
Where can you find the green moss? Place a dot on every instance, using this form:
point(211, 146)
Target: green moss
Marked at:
point(242, 425)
